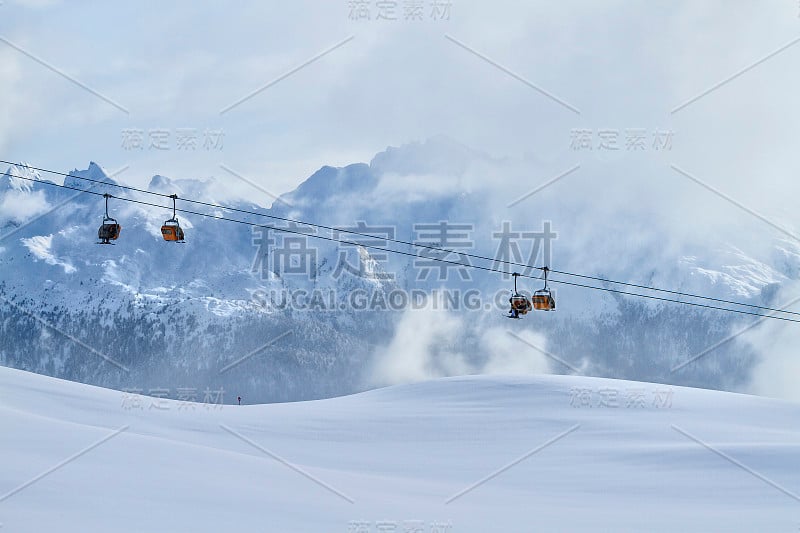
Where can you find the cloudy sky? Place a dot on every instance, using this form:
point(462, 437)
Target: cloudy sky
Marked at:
point(274, 90)
point(675, 115)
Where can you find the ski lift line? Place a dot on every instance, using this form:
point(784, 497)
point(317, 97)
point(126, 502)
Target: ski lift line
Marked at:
point(423, 246)
point(466, 265)
point(275, 217)
point(480, 267)
point(660, 298)
point(677, 293)
point(490, 269)
point(418, 245)
point(276, 228)
point(57, 173)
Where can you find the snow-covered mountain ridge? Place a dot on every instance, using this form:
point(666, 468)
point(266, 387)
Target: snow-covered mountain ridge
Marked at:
point(179, 314)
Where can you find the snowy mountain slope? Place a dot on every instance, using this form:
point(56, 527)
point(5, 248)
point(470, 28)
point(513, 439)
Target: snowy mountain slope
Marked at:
point(168, 314)
point(176, 315)
point(458, 455)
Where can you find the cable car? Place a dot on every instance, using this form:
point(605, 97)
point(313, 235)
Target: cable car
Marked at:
point(171, 230)
point(110, 229)
point(520, 305)
point(543, 298)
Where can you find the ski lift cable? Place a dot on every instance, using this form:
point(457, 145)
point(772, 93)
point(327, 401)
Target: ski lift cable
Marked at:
point(676, 293)
point(439, 259)
point(419, 245)
point(275, 217)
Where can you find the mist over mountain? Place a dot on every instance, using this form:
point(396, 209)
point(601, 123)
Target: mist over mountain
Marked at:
point(272, 315)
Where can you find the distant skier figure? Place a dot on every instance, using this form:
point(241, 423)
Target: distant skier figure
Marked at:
point(513, 313)
point(240, 399)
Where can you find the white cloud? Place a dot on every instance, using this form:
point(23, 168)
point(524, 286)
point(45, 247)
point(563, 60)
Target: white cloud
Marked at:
point(777, 371)
point(399, 81)
point(425, 346)
point(418, 351)
point(21, 206)
point(509, 355)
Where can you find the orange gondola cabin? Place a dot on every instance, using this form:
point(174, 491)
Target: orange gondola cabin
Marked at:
point(543, 299)
point(520, 304)
point(171, 230)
